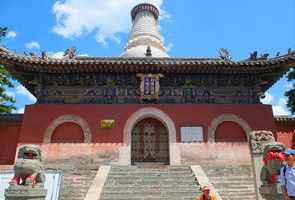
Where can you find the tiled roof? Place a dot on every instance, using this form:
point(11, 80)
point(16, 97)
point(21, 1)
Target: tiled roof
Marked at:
point(11, 117)
point(284, 118)
point(144, 64)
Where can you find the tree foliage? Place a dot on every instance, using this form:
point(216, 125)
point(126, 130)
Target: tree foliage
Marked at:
point(6, 101)
point(291, 93)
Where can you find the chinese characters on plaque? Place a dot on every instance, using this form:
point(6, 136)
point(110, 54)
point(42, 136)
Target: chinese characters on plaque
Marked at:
point(149, 85)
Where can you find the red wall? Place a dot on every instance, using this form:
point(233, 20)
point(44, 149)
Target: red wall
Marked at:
point(38, 117)
point(9, 134)
point(230, 132)
point(285, 132)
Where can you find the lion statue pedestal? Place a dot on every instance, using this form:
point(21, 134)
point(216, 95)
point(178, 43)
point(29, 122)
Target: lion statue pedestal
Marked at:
point(29, 177)
point(270, 172)
point(21, 192)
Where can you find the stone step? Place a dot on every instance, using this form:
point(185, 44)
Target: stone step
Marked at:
point(115, 187)
point(76, 184)
point(150, 195)
point(150, 198)
point(139, 173)
point(149, 170)
point(150, 183)
point(151, 176)
point(232, 178)
point(232, 182)
point(172, 182)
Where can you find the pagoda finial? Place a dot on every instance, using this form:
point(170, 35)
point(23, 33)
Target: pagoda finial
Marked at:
point(145, 33)
point(145, 7)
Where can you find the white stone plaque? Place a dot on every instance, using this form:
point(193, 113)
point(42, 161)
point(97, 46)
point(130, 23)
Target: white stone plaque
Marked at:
point(191, 134)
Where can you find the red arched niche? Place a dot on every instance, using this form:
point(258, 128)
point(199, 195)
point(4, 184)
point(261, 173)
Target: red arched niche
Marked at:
point(230, 132)
point(68, 132)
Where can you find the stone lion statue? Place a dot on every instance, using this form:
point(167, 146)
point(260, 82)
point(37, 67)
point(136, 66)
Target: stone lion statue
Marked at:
point(273, 159)
point(28, 169)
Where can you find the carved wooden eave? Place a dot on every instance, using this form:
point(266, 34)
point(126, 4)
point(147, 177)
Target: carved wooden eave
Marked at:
point(29, 68)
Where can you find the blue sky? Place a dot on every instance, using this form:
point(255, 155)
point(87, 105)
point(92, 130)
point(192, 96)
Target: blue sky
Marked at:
point(190, 28)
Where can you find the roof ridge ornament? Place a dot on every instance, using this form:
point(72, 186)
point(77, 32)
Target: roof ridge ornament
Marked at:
point(290, 51)
point(70, 53)
point(224, 54)
point(44, 55)
point(148, 52)
point(254, 56)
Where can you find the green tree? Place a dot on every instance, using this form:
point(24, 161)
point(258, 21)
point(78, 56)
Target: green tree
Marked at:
point(291, 93)
point(6, 102)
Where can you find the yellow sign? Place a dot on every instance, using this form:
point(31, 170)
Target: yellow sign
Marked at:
point(107, 123)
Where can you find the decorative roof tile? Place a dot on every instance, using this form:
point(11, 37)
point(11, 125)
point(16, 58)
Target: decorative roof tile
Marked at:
point(144, 64)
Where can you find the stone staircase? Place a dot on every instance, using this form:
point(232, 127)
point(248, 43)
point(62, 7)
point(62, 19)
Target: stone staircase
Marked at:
point(153, 183)
point(232, 182)
point(76, 184)
point(78, 175)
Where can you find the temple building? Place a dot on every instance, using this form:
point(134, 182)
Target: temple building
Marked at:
point(144, 106)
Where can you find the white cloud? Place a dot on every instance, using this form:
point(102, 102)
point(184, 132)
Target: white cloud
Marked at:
point(83, 55)
point(106, 18)
point(282, 101)
point(32, 45)
point(267, 99)
point(288, 86)
point(21, 90)
point(169, 47)
point(58, 54)
point(280, 108)
point(20, 110)
point(11, 34)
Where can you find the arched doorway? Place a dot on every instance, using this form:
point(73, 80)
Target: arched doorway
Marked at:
point(149, 142)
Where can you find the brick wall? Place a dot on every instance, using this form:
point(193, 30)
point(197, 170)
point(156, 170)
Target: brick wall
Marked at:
point(285, 132)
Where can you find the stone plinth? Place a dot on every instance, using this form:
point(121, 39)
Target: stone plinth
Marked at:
point(20, 192)
point(271, 192)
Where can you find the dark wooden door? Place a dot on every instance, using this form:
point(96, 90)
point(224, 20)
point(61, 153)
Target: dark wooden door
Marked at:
point(150, 142)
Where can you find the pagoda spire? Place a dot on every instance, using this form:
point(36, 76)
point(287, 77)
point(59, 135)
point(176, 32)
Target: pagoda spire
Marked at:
point(145, 33)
